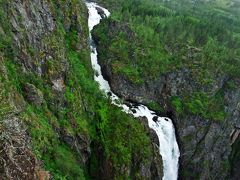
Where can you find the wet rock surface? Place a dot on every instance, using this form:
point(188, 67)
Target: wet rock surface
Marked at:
point(155, 168)
point(101, 12)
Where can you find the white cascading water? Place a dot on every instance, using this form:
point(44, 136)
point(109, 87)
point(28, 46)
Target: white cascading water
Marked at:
point(162, 126)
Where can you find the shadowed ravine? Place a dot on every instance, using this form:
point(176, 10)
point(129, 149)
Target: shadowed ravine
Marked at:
point(161, 125)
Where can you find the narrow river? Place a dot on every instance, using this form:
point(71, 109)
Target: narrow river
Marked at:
point(161, 125)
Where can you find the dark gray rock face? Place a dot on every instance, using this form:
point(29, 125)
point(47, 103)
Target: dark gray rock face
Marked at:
point(16, 158)
point(81, 144)
point(101, 12)
point(37, 21)
point(33, 95)
point(235, 157)
point(154, 170)
point(232, 101)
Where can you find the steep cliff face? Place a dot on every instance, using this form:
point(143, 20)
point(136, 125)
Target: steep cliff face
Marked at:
point(51, 125)
point(34, 66)
point(206, 142)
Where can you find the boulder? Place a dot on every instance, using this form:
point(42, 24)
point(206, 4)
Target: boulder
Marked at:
point(33, 95)
point(101, 12)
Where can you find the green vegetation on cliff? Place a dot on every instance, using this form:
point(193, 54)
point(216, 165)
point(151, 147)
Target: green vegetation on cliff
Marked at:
point(185, 55)
point(160, 37)
point(146, 39)
point(65, 120)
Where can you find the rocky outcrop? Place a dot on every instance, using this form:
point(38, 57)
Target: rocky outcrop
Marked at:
point(33, 95)
point(101, 12)
point(80, 143)
point(36, 23)
point(204, 143)
point(17, 160)
point(154, 170)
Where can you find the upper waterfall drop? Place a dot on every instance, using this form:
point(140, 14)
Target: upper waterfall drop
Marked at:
point(162, 126)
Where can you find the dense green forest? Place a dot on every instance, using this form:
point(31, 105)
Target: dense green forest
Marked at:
point(149, 38)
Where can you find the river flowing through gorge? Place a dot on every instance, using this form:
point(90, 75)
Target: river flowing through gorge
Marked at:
point(163, 126)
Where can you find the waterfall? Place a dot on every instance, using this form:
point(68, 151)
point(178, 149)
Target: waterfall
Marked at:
point(161, 125)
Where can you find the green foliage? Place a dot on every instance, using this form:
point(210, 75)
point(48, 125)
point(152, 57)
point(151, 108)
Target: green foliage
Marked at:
point(206, 106)
point(58, 158)
point(155, 38)
point(198, 103)
point(177, 104)
point(123, 138)
point(41, 124)
point(135, 55)
point(64, 164)
point(145, 39)
point(155, 107)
